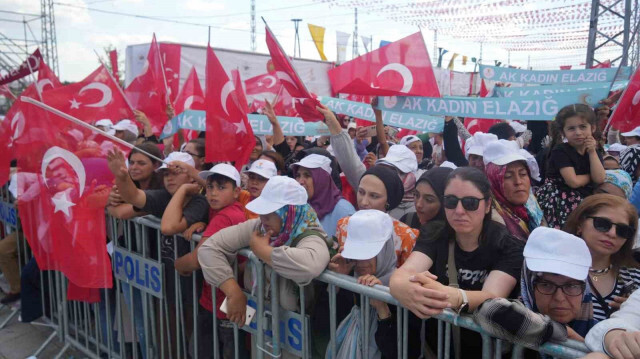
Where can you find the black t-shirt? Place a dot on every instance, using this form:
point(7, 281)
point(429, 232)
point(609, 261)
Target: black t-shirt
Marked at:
point(196, 210)
point(498, 250)
point(564, 155)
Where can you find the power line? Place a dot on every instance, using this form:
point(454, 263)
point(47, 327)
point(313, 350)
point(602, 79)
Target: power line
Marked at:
point(241, 13)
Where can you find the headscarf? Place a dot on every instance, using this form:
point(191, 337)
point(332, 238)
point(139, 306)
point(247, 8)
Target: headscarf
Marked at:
point(325, 192)
point(386, 262)
point(620, 179)
point(584, 320)
point(630, 159)
point(391, 181)
point(295, 220)
point(437, 179)
point(516, 218)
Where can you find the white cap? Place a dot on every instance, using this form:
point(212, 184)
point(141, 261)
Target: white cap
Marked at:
point(401, 158)
point(277, 193)
point(634, 132)
point(105, 122)
point(502, 152)
point(177, 156)
point(126, 125)
point(351, 125)
point(367, 232)
point(532, 163)
point(222, 169)
point(617, 147)
point(315, 161)
point(448, 164)
point(554, 251)
point(517, 126)
point(476, 144)
point(263, 168)
point(409, 139)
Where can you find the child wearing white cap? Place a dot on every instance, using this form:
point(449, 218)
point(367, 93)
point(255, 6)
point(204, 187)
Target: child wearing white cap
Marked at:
point(287, 237)
point(222, 191)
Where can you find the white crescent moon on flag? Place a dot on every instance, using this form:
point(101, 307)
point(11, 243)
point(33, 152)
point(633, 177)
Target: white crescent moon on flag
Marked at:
point(283, 76)
point(73, 160)
point(190, 100)
point(17, 124)
point(226, 90)
point(273, 81)
point(42, 83)
point(106, 93)
point(407, 77)
point(472, 123)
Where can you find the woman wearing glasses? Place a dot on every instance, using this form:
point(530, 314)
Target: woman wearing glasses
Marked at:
point(607, 224)
point(484, 258)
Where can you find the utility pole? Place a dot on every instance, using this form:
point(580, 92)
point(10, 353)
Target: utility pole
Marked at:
point(253, 25)
point(435, 46)
point(49, 42)
point(355, 36)
point(296, 40)
point(598, 37)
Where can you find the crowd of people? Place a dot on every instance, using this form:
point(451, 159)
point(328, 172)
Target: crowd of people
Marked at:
point(531, 229)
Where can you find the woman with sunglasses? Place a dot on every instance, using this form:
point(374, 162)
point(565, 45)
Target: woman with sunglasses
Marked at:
point(607, 224)
point(484, 258)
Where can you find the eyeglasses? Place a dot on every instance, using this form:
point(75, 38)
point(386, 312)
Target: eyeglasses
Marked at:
point(548, 288)
point(192, 154)
point(602, 224)
point(468, 203)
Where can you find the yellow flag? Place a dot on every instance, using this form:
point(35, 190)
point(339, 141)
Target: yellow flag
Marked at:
point(450, 67)
point(317, 34)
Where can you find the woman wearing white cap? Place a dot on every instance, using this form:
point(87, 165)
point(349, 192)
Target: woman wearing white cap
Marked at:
point(510, 178)
point(314, 174)
point(487, 257)
point(556, 265)
point(608, 226)
point(287, 237)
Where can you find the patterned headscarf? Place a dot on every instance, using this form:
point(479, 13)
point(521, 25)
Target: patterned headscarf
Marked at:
point(620, 179)
point(583, 321)
point(516, 218)
point(295, 220)
point(630, 159)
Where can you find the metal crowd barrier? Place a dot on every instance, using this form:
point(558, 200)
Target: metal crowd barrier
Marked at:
point(153, 312)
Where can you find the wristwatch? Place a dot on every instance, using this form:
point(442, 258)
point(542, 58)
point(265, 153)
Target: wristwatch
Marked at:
point(465, 302)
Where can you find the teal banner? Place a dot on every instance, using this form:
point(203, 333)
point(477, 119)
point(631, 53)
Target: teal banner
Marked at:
point(555, 77)
point(553, 89)
point(417, 121)
point(291, 126)
point(528, 108)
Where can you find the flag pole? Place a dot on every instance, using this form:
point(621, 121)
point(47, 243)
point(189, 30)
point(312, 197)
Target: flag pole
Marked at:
point(114, 81)
point(86, 125)
point(164, 77)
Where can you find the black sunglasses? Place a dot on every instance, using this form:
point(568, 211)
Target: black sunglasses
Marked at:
point(468, 203)
point(602, 224)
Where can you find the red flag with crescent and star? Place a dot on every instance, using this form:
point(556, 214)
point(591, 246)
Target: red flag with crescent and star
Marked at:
point(265, 83)
point(63, 188)
point(474, 125)
point(401, 68)
point(229, 135)
point(149, 92)
point(626, 115)
point(170, 56)
point(190, 97)
point(304, 101)
point(95, 98)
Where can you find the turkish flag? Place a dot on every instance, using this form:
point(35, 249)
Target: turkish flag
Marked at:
point(305, 102)
point(602, 65)
point(240, 92)
point(265, 83)
point(626, 115)
point(190, 97)
point(63, 188)
point(148, 92)
point(94, 98)
point(113, 58)
point(474, 125)
point(229, 135)
point(29, 66)
point(170, 56)
point(401, 68)
point(47, 79)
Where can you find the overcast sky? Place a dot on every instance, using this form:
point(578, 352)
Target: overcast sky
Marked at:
point(80, 31)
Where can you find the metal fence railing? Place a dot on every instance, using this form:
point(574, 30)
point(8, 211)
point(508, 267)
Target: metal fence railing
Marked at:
point(153, 312)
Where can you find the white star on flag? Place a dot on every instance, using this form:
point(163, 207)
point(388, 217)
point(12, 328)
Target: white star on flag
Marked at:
point(75, 104)
point(62, 203)
point(152, 93)
point(260, 83)
point(240, 126)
